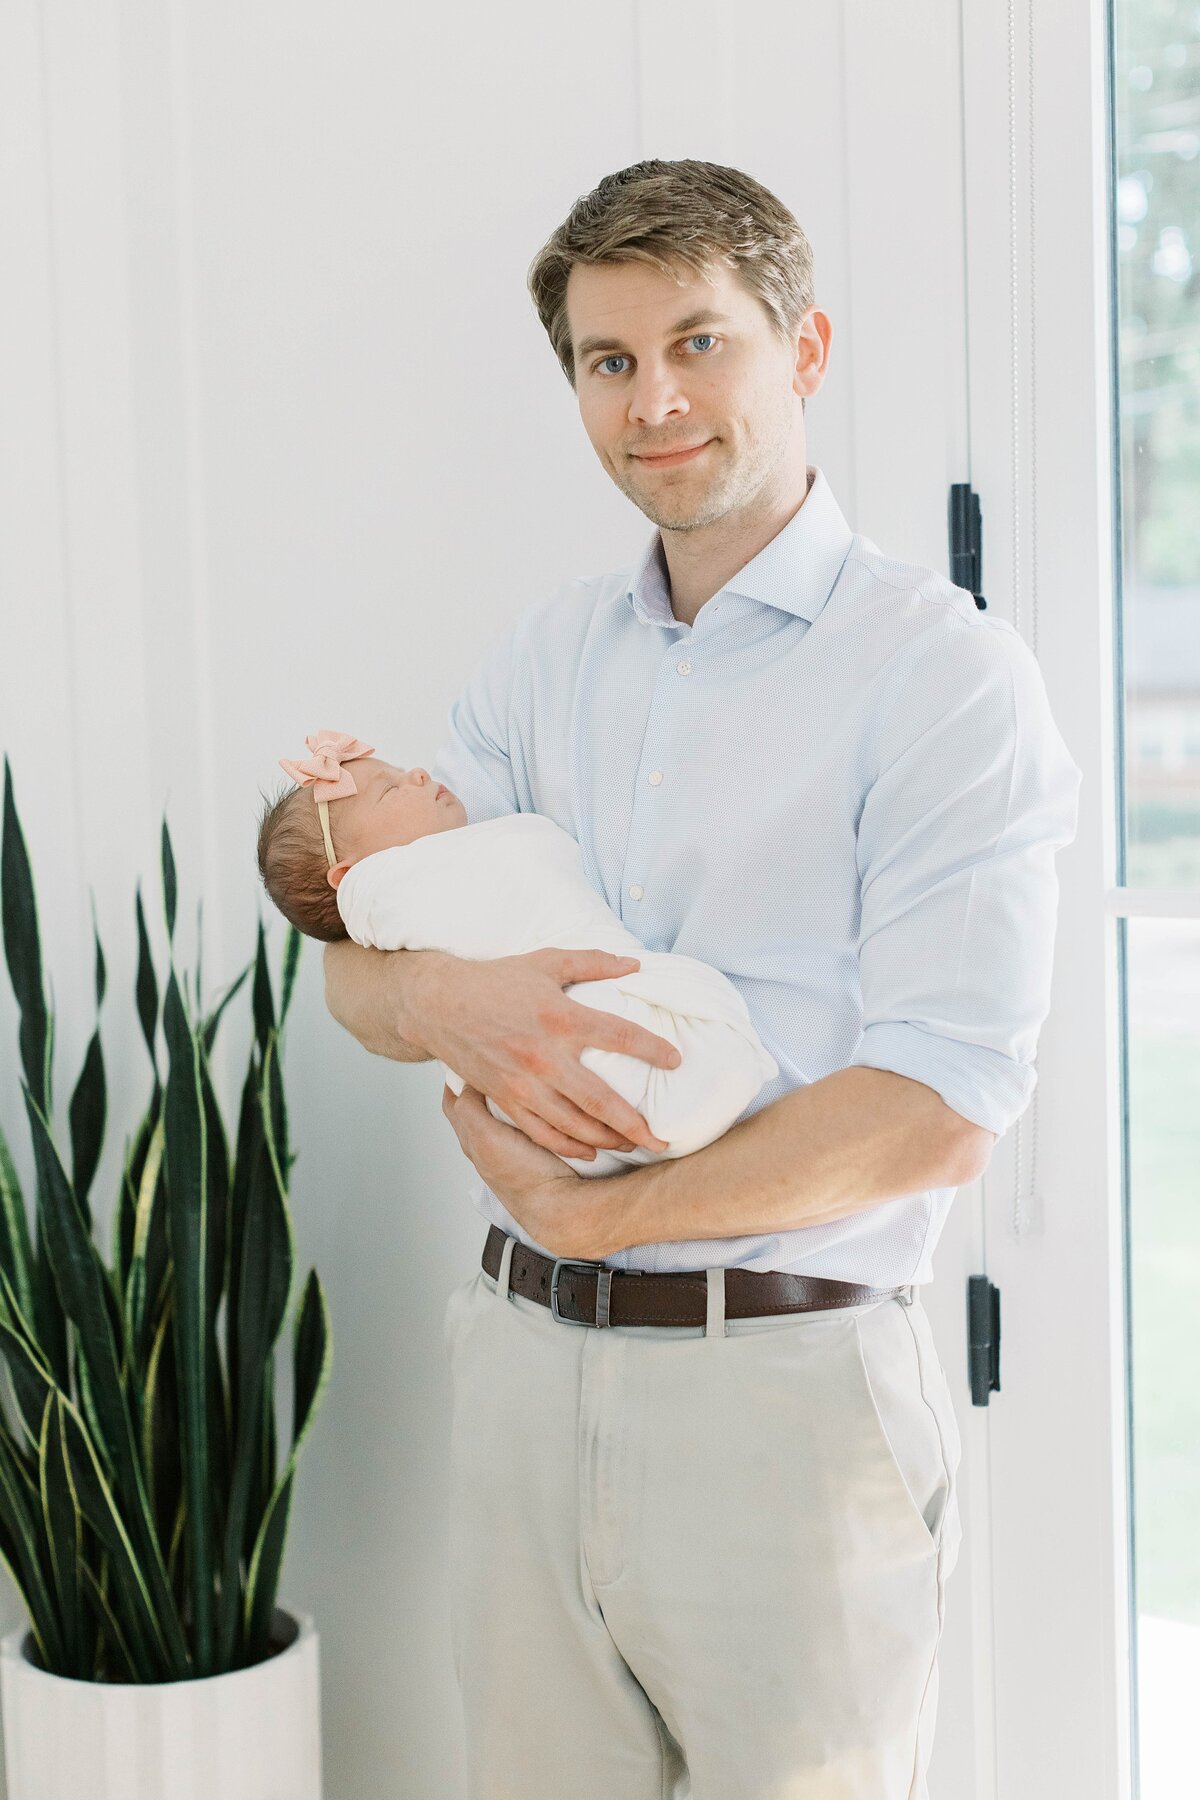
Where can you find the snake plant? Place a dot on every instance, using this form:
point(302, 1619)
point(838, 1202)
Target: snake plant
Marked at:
point(142, 1514)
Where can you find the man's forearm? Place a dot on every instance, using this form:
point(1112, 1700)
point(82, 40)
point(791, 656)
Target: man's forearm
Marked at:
point(375, 994)
point(834, 1147)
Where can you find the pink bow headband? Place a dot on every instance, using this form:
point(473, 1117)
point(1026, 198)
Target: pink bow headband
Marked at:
point(323, 772)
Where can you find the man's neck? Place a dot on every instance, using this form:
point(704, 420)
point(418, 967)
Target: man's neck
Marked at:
point(698, 566)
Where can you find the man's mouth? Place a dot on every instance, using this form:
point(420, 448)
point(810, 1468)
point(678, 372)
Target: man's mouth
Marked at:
point(670, 458)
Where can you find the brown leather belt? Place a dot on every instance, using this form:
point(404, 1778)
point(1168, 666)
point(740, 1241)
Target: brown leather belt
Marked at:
point(587, 1293)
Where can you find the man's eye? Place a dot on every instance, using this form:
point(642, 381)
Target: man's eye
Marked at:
point(706, 336)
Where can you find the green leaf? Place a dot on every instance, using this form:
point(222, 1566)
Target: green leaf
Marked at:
point(217, 1171)
point(312, 1360)
point(49, 1320)
point(161, 1429)
point(124, 1214)
point(122, 1666)
point(16, 1252)
point(101, 976)
point(63, 1526)
point(217, 1212)
point(266, 1271)
point(312, 1355)
point(177, 1561)
point(249, 1135)
point(87, 1114)
point(188, 1227)
point(168, 881)
point(291, 959)
point(23, 950)
point(28, 1369)
point(147, 987)
point(150, 1397)
point(274, 1120)
point(264, 1005)
point(262, 1485)
point(87, 1400)
point(125, 1211)
point(275, 1112)
point(88, 1102)
point(149, 1189)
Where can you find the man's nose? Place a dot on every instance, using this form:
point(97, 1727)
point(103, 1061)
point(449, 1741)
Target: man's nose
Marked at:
point(656, 394)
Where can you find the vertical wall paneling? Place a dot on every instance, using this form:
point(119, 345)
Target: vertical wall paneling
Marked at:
point(1040, 435)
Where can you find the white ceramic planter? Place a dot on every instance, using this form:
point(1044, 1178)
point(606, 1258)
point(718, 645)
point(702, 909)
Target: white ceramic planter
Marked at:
point(254, 1734)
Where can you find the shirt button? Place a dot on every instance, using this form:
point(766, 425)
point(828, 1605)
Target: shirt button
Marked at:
point(655, 777)
point(635, 892)
point(685, 668)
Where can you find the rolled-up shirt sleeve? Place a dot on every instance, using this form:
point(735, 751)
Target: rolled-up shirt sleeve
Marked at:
point(474, 759)
point(973, 792)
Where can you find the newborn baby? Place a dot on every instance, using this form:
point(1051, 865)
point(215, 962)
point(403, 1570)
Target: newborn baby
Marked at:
point(399, 867)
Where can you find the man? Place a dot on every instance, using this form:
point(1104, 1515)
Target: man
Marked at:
point(707, 1536)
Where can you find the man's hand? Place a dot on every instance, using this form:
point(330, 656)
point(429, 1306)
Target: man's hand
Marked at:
point(559, 1209)
point(505, 1026)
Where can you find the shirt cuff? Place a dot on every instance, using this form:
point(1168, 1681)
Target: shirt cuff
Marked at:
point(982, 1085)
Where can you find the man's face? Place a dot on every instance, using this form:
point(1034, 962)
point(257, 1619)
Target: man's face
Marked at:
point(724, 381)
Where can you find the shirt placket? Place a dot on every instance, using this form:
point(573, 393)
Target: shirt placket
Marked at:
point(654, 773)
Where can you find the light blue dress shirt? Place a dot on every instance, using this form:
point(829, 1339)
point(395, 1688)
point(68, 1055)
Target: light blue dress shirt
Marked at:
point(842, 787)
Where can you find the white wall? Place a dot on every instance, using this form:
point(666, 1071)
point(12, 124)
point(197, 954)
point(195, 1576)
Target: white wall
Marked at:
point(282, 445)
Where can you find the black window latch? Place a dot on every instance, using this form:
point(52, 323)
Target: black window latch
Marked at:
point(983, 1338)
point(966, 541)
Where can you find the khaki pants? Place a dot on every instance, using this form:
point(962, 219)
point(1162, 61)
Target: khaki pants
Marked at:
point(702, 1561)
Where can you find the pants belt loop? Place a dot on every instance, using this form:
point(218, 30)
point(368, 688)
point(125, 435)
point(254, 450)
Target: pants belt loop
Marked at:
point(502, 1277)
point(909, 1294)
point(715, 1323)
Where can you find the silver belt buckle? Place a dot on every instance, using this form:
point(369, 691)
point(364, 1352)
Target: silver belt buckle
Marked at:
point(572, 1262)
point(604, 1277)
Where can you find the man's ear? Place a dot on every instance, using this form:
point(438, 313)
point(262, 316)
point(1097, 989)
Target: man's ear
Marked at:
point(335, 874)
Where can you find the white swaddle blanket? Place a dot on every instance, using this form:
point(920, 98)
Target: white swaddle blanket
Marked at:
point(510, 885)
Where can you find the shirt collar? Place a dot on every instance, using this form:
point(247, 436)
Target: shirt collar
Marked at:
point(796, 571)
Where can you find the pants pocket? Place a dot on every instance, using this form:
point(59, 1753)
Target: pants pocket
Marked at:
point(905, 1414)
point(455, 1311)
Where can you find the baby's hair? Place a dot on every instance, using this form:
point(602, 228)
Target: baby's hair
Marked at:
point(293, 864)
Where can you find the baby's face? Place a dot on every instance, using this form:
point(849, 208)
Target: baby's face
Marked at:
point(392, 806)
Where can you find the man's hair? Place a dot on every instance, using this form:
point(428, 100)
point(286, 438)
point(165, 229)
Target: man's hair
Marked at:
point(293, 864)
point(678, 216)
